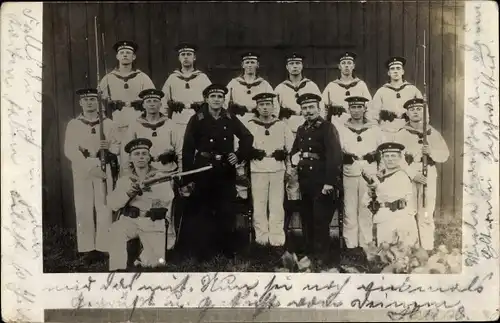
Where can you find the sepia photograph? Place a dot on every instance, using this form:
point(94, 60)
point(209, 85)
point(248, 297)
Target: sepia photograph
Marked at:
point(301, 137)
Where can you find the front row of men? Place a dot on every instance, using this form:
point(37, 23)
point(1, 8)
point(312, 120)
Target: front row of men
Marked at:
point(382, 177)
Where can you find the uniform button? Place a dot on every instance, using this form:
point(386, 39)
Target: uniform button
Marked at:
point(211, 140)
point(224, 138)
point(310, 167)
point(310, 148)
point(309, 138)
point(225, 127)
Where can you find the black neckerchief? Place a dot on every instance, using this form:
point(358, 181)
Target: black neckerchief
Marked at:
point(250, 85)
point(151, 173)
point(147, 124)
point(301, 85)
point(128, 77)
point(383, 175)
point(347, 86)
point(387, 85)
point(193, 75)
point(264, 124)
point(414, 131)
point(89, 122)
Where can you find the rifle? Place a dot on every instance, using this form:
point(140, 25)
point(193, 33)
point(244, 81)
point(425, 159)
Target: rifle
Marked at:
point(424, 139)
point(374, 205)
point(102, 152)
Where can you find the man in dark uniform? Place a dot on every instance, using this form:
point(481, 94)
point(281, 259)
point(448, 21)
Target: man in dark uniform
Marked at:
point(317, 154)
point(209, 139)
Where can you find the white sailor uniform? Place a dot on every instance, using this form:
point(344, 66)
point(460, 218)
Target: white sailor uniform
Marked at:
point(411, 138)
point(130, 225)
point(268, 180)
point(359, 146)
point(81, 147)
point(185, 88)
point(165, 137)
point(337, 91)
point(391, 99)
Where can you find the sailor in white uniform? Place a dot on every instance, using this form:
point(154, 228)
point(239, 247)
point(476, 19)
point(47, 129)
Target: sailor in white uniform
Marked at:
point(359, 139)
point(142, 211)
point(82, 145)
point(345, 86)
point(183, 88)
point(387, 105)
point(411, 135)
point(273, 140)
point(166, 150)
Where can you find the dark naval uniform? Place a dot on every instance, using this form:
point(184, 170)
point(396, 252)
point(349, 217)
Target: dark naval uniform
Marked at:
point(318, 152)
point(210, 141)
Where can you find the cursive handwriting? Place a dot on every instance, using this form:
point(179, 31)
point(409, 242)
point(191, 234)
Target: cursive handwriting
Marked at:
point(214, 283)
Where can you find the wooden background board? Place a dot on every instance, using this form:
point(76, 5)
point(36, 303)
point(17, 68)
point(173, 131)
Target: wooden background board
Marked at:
point(320, 30)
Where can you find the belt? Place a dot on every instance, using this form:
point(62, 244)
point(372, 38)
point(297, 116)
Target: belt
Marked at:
point(308, 155)
point(394, 205)
point(154, 213)
point(211, 155)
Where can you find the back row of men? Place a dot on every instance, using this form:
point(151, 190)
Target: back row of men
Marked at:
point(272, 127)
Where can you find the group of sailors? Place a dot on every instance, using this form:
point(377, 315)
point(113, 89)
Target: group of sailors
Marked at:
point(288, 149)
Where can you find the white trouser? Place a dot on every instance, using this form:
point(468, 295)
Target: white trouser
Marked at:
point(426, 219)
point(268, 188)
point(151, 234)
point(389, 223)
point(357, 229)
point(88, 194)
point(171, 234)
point(241, 170)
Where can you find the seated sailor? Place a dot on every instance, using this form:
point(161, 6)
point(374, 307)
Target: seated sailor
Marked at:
point(142, 210)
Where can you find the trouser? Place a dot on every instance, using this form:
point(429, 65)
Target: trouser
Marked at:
point(268, 190)
point(425, 216)
point(400, 223)
point(316, 214)
point(91, 234)
point(208, 224)
point(152, 236)
point(292, 185)
point(357, 222)
point(243, 169)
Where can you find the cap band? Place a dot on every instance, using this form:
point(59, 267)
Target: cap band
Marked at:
point(391, 150)
point(151, 96)
point(138, 147)
point(308, 101)
point(88, 95)
point(215, 91)
point(395, 63)
point(345, 58)
point(294, 59)
point(249, 57)
point(186, 49)
point(125, 47)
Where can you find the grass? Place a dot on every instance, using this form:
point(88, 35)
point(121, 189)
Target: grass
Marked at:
point(60, 257)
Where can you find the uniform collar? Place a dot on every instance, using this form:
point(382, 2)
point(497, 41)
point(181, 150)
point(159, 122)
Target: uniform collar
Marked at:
point(383, 174)
point(151, 173)
point(350, 84)
point(267, 125)
point(256, 82)
point(186, 77)
point(414, 131)
point(397, 89)
point(87, 121)
point(366, 125)
point(160, 122)
point(133, 73)
point(316, 123)
point(301, 84)
point(204, 113)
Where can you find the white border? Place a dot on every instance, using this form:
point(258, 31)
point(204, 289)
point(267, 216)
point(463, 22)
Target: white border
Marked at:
point(26, 291)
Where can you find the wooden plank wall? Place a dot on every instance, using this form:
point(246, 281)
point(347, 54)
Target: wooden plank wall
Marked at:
point(320, 30)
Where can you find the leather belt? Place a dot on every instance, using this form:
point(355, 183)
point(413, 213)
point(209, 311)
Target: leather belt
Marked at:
point(211, 155)
point(308, 155)
point(395, 205)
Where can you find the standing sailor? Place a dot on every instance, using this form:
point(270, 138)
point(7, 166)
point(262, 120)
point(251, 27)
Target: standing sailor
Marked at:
point(166, 150)
point(345, 86)
point(411, 135)
point(387, 105)
point(317, 154)
point(82, 145)
point(273, 140)
point(288, 91)
point(360, 139)
point(240, 101)
point(394, 210)
point(209, 139)
point(142, 211)
point(121, 87)
point(184, 87)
